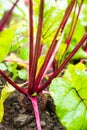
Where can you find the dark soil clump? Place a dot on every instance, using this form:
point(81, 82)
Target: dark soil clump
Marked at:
point(17, 117)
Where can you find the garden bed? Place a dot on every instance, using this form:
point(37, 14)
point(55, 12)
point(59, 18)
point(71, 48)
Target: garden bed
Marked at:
point(20, 118)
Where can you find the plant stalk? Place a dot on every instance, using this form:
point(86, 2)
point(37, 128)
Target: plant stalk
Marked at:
point(53, 45)
point(31, 42)
point(74, 26)
point(37, 47)
point(23, 91)
point(62, 66)
point(36, 111)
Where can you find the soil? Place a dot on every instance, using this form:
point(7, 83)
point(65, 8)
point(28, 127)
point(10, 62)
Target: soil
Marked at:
point(19, 115)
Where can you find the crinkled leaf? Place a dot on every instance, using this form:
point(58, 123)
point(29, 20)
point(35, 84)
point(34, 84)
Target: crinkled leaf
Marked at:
point(5, 93)
point(70, 97)
point(53, 14)
point(6, 37)
point(52, 18)
point(77, 75)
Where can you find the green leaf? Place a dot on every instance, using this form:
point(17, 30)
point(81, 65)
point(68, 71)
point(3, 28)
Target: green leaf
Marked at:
point(6, 91)
point(22, 74)
point(78, 34)
point(3, 66)
point(83, 14)
point(80, 53)
point(52, 17)
point(12, 67)
point(54, 14)
point(70, 97)
point(24, 53)
point(6, 37)
point(15, 47)
point(60, 53)
point(77, 75)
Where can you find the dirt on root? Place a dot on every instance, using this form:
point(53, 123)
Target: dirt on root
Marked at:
point(19, 114)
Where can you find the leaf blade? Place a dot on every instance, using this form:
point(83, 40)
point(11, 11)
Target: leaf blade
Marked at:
point(71, 104)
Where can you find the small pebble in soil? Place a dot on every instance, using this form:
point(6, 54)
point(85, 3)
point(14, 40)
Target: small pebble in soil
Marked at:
point(43, 123)
point(23, 119)
point(47, 113)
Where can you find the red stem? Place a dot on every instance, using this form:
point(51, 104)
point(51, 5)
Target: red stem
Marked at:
point(31, 44)
point(72, 23)
point(74, 26)
point(40, 50)
point(36, 111)
point(66, 61)
point(37, 47)
point(55, 65)
point(7, 16)
point(53, 45)
point(24, 84)
point(13, 83)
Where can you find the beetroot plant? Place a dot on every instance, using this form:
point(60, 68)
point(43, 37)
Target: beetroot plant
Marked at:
point(37, 43)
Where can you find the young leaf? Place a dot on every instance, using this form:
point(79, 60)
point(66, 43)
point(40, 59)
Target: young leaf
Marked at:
point(6, 37)
point(22, 74)
point(14, 47)
point(12, 67)
point(70, 97)
point(24, 53)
